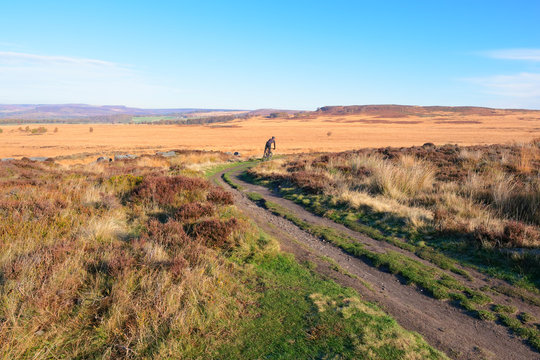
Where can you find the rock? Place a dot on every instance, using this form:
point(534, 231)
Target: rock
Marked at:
point(39, 158)
point(429, 146)
point(167, 153)
point(103, 159)
point(236, 153)
point(124, 157)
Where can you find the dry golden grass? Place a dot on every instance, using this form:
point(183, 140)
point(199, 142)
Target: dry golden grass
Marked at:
point(491, 193)
point(294, 135)
point(129, 260)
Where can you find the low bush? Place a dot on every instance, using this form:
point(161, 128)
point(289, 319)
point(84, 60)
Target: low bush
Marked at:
point(169, 191)
point(194, 211)
point(214, 232)
point(219, 196)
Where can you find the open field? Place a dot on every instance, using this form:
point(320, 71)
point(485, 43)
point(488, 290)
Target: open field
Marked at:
point(316, 132)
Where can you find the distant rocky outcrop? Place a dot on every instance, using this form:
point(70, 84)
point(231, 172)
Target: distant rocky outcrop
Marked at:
point(124, 157)
point(167, 153)
point(406, 110)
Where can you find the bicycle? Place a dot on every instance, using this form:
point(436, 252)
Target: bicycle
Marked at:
point(267, 156)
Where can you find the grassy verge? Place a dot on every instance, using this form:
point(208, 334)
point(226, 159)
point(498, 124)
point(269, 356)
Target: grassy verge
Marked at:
point(304, 316)
point(212, 171)
point(318, 204)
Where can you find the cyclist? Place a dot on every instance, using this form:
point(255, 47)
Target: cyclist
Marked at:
point(268, 147)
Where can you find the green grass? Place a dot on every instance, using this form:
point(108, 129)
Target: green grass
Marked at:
point(528, 333)
point(302, 316)
point(208, 173)
point(526, 317)
point(508, 309)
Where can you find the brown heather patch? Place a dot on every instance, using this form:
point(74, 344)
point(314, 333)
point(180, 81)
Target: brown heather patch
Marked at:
point(313, 183)
point(214, 232)
point(218, 195)
point(171, 234)
point(164, 191)
point(194, 211)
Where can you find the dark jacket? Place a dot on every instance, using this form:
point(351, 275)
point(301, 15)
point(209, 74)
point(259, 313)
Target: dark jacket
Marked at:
point(270, 142)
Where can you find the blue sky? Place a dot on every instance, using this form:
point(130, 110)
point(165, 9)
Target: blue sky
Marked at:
point(279, 54)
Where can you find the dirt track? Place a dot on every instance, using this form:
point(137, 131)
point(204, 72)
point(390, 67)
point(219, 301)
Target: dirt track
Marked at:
point(444, 326)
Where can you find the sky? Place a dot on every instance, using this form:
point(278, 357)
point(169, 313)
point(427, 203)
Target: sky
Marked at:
point(270, 54)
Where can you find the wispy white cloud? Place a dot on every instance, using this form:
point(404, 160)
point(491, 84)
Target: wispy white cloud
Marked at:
point(514, 54)
point(32, 78)
point(522, 85)
point(17, 57)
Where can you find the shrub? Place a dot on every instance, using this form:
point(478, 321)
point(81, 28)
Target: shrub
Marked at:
point(218, 195)
point(124, 183)
point(170, 234)
point(39, 130)
point(194, 210)
point(213, 232)
point(518, 234)
point(164, 190)
point(313, 183)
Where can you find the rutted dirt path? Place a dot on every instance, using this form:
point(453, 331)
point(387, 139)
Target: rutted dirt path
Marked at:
point(444, 326)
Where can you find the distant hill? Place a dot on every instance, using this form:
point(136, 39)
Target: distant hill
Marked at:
point(82, 112)
point(266, 112)
point(406, 110)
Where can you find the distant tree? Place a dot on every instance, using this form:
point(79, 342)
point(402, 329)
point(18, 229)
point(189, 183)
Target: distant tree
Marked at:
point(39, 130)
point(55, 129)
point(277, 114)
point(91, 129)
point(27, 128)
point(1, 131)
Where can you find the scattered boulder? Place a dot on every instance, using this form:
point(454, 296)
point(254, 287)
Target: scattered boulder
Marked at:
point(236, 153)
point(124, 157)
point(167, 153)
point(103, 159)
point(429, 145)
point(39, 158)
